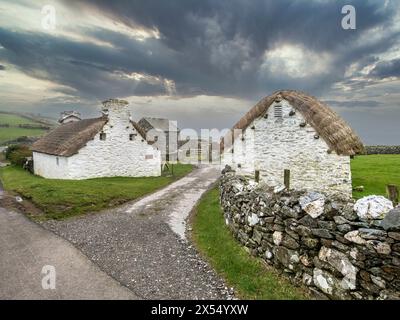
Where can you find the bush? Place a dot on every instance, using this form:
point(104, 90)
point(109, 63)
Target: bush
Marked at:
point(17, 154)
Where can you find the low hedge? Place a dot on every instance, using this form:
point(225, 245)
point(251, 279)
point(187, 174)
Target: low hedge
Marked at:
point(17, 154)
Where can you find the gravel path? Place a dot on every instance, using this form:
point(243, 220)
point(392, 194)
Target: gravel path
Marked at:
point(143, 244)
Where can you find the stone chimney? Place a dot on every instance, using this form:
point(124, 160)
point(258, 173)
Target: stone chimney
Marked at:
point(116, 110)
point(69, 116)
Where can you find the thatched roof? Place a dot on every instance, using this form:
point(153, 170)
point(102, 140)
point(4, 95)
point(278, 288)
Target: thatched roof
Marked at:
point(67, 139)
point(327, 123)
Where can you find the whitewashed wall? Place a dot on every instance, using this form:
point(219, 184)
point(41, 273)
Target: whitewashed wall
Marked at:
point(273, 146)
point(115, 156)
point(46, 165)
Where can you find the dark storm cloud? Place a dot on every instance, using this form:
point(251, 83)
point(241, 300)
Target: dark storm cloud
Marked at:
point(354, 103)
point(93, 71)
point(205, 47)
point(316, 24)
point(222, 43)
point(387, 69)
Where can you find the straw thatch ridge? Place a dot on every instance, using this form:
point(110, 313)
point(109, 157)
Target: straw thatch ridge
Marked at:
point(67, 139)
point(327, 123)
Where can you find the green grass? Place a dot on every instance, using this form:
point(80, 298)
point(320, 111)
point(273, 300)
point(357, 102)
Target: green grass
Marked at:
point(14, 120)
point(60, 199)
point(374, 172)
point(13, 132)
point(248, 275)
point(7, 134)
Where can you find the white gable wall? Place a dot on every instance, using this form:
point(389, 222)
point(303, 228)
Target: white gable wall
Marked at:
point(48, 166)
point(115, 156)
point(274, 146)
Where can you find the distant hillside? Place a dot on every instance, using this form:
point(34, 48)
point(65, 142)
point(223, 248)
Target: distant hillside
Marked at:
point(15, 125)
point(36, 118)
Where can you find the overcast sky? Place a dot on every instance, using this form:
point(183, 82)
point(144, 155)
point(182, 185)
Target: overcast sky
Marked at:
point(203, 62)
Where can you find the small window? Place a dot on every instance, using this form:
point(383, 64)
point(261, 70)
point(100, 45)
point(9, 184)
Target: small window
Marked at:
point(132, 136)
point(155, 138)
point(278, 112)
point(102, 136)
point(188, 153)
point(57, 161)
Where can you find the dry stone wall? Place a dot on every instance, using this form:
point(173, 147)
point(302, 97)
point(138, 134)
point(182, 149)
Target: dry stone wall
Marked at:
point(320, 242)
point(382, 149)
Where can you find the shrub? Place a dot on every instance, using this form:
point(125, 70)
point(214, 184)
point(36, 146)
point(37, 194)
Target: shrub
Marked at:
point(17, 154)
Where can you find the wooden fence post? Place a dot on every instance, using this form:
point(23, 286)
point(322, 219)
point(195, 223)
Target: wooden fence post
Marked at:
point(286, 178)
point(257, 175)
point(393, 193)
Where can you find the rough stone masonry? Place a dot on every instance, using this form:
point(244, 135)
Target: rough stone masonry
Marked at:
point(337, 249)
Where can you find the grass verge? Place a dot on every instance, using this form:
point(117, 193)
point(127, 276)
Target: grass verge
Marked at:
point(59, 199)
point(374, 172)
point(250, 276)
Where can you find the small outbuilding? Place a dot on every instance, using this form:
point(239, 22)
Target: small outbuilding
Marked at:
point(164, 133)
point(108, 146)
point(291, 133)
point(69, 116)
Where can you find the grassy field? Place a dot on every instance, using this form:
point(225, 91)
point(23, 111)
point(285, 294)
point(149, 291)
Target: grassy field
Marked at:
point(374, 172)
point(14, 120)
point(13, 132)
point(60, 199)
point(248, 275)
point(8, 134)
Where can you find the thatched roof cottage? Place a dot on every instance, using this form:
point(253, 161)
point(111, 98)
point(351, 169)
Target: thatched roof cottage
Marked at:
point(290, 130)
point(107, 146)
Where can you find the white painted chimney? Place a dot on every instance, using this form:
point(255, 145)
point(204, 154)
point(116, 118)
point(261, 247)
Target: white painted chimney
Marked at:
point(116, 110)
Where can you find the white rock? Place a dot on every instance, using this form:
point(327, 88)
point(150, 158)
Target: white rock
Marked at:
point(277, 237)
point(307, 279)
point(378, 281)
point(354, 236)
point(354, 253)
point(294, 258)
point(372, 207)
point(253, 219)
point(278, 189)
point(313, 203)
point(323, 281)
point(238, 186)
point(341, 263)
point(348, 284)
point(268, 254)
point(18, 199)
point(252, 184)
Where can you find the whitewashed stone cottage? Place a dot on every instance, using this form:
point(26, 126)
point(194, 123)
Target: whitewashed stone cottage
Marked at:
point(290, 130)
point(108, 146)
